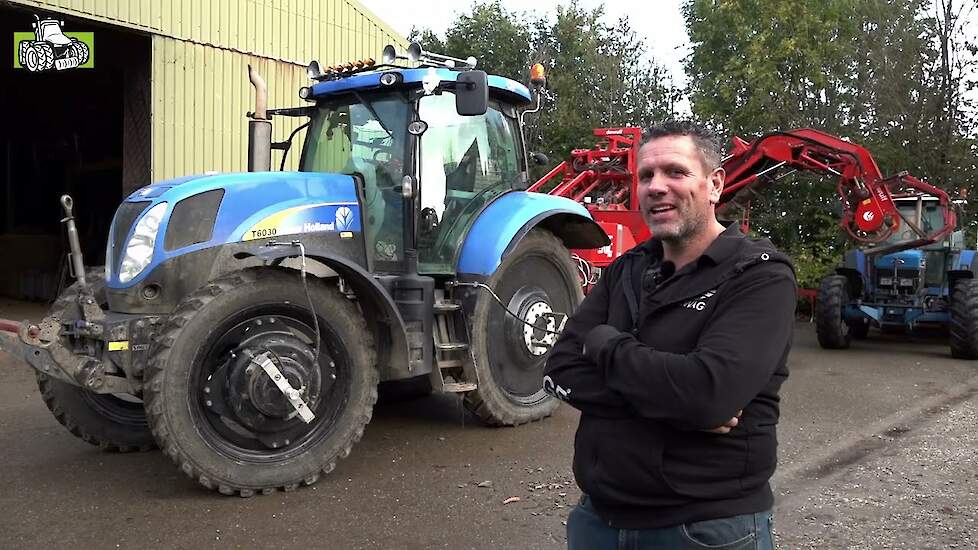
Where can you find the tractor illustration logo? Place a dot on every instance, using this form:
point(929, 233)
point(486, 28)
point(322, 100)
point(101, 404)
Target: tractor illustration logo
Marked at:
point(51, 49)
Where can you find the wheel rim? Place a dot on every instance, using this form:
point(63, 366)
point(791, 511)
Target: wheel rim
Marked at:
point(239, 409)
point(534, 285)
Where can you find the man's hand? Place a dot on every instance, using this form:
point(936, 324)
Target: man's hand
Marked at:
point(728, 425)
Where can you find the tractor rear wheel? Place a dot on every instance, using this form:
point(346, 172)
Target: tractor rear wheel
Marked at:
point(832, 330)
point(213, 395)
point(964, 319)
point(535, 279)
point(111, 422)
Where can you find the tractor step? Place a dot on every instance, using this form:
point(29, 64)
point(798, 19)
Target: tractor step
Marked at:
point(458, 387)
point(451, 346)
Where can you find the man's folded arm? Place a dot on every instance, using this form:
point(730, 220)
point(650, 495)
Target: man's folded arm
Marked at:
point(736, 354)
point(570, 375)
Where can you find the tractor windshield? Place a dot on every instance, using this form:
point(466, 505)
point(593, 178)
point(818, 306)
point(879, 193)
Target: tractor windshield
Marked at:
point(366, 136)
point(465, 162)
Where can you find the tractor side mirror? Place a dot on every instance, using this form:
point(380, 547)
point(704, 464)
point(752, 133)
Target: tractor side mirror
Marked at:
point(472, 93)
point(540, 159)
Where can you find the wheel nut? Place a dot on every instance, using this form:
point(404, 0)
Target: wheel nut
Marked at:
point(209, 403)
point(207, 389)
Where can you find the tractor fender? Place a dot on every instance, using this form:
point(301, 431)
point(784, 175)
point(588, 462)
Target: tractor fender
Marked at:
point(965, 266)
point(504, 222)
point(377, 304)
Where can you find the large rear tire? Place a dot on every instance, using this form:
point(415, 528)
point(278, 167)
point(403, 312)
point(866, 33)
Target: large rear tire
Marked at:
point(831, 328)
point(110, 422)
point(964, 320)
point(217, 413)
point(535, 278)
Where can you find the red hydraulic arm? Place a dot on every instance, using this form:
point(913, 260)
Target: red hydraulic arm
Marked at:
point(605, 180)
point(869, 215)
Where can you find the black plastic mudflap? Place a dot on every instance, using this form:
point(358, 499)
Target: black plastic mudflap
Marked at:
point(414, 296)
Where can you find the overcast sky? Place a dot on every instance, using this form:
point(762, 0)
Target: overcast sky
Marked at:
point(658, 21)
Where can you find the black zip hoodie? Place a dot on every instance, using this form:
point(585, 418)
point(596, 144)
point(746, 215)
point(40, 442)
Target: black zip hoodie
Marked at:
point(652, 359)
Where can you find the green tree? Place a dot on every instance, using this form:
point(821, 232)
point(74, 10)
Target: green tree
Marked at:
point(599, 74)
point(888, 74)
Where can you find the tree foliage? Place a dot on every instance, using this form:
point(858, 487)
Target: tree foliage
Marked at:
point(599, 74)
point(887, 74)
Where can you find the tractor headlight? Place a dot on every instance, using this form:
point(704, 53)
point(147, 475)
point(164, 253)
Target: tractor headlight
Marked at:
point(139, 249)
point(886, 281)
point(906, 282)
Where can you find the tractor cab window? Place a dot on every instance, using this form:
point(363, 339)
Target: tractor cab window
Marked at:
point(366, 139)
point(465, 162)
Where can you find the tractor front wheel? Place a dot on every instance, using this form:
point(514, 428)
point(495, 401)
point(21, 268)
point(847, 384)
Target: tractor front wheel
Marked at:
point(964, 319)
point(832, 330)
point(215, 392)
point(537, 278)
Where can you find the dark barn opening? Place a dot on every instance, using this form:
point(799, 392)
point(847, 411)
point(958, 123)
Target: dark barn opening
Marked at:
point(85, 132)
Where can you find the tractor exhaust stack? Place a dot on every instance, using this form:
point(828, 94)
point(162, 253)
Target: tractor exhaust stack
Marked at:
point(259, 127)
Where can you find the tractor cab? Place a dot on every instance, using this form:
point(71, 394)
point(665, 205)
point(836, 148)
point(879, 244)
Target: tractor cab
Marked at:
point(390, 128)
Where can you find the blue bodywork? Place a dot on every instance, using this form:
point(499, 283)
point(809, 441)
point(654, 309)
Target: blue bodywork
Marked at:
point(922, 305)
point(501, 222)
point(518, 93)
point(249, 198)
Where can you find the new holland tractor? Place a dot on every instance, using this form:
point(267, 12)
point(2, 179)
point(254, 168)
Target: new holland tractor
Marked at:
point(243, 321)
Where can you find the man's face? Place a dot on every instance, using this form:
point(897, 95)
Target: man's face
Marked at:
point(676, 191)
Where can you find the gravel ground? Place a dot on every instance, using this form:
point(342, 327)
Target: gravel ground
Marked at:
point(919, 491)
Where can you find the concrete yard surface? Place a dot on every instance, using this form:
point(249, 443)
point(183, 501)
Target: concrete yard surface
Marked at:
point(878, 450)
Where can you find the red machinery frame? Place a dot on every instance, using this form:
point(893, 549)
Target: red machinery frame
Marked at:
point(605, 180)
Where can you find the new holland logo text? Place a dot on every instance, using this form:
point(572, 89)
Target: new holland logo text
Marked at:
point(699, 303)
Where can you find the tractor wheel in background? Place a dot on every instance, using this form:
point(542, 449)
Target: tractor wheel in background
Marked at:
point(111, 422)
point(859, 329)
point(30, 59)
point(832, 330)
point(964, 319)
point(217, 412)
point(536, 278)
point(79, 49)
point(45, 56)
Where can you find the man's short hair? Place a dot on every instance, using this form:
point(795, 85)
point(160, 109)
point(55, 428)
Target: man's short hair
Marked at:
point(705, 140)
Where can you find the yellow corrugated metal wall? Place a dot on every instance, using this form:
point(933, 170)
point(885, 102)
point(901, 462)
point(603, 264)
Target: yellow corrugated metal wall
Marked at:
point(200, 53)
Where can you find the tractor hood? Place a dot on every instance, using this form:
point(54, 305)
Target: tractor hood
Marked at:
point(907, 259)
point(177, 216)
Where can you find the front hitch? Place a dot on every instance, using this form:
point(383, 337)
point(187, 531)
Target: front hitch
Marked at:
point(39, 345)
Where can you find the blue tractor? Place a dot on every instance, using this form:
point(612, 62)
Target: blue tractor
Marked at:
point(243, 321)
point(931, 285)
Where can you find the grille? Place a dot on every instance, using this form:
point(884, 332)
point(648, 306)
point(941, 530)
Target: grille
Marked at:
point(192, 220)
point(125, 216)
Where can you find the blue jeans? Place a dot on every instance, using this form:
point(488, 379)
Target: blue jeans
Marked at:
point(587, 531)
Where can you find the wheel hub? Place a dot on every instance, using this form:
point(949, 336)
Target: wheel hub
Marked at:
point(538, 335)
point(254, 399)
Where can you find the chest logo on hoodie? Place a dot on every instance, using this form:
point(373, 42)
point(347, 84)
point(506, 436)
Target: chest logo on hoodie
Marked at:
point(699, 304)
